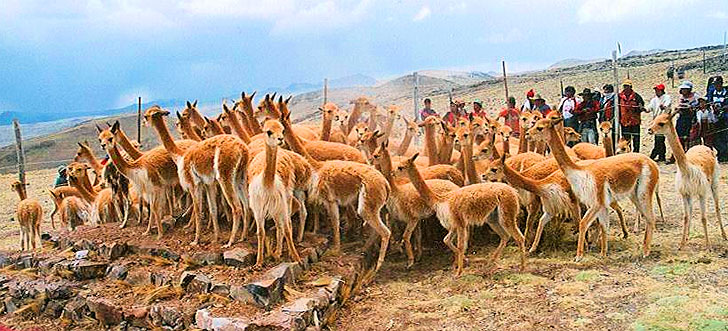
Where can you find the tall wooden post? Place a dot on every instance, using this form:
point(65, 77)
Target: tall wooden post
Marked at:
point(139, 120)
point(326, 90)
point(415, 95)
point(505, 80)
point(561, 82)
point(19, 151)
point(617, 126)
point(703, 61)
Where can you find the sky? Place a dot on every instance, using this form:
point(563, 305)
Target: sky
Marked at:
point(74, 55)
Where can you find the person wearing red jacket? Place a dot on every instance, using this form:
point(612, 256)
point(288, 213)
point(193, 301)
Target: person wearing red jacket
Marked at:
point(586, 113)
point(631, 106)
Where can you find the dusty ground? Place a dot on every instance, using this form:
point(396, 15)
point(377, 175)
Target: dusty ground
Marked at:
point(671, 290)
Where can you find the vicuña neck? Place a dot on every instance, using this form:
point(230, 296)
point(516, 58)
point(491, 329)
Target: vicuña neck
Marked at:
point(326, 129)
point(523, 142)
point(21, 193)
point(126, 144)
point(430, 197)
point(295, 144)
point(608, 146)
point(252, 122)
point(372, 120)
point(388, 128)
point(677, 148)
point(124, 166)
point(237, 127)
point(469, 164)
point(404, 145)
point(196, 117)
point(166, 137)
point(269, 174)
point(92, 160)
point(556, 142)
point(445, 152)
point(385, 167)
point(430, 145)
point(353, 118)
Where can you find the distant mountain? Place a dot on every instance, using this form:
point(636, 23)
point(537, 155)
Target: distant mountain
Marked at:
point(643, 53)
point(458, 77)
point(572, 63)
point(7, 117)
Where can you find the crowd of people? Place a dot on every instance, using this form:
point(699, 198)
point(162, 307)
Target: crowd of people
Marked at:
point(698, 119)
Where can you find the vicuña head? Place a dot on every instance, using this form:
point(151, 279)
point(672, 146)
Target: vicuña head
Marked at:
point(570, 135)
point(273, 133)
point(106, 137)
point(623, 146)
point(605, 128)
point(662, 124)
point(154, 112)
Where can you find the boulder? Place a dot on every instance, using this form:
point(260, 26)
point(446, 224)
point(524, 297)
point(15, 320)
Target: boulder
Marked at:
point(89, 270)
point(53, 309)
point(205, 321)
point(162, 315)
point(84, 244)
point(81, 255)
point(104, 311)
point(269, 290)
point(112, 251)
point(137, 316)
point(220, 289)
point(239, 257)
point(58, 291)
point(199, 284)
point(75, 309)
point(117, 272)
point(139, 277)
point(46, 266)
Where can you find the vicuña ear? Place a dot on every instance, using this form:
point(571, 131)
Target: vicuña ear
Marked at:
point(252, 95)
point(79, 144)
point(414, 157)
point(194, 104)
point(289, 99)
point(115, 127)
point(99, 129)
point(179, 116)
point(188, 104)
point(378, 134)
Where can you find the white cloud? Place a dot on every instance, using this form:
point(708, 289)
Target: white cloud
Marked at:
point(511, 36)
point(598, 11)
point(718, 14)
point(130, 97)
point(424, 13)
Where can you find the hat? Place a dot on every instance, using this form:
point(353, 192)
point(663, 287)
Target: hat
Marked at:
point(512, 100)
point(587, 91)
point(61, 169)
point(530, 93)
point(480, 103)
point(570, 88)
point(660, 87)
point(538, 97)
point(702, 98)
point(686, 84)
point(627, 82)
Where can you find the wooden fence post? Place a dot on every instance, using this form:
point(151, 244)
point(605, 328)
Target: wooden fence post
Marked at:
point(617, 126)
point(139, 120)
point(505, 80)
point(19, 151)
point(326, 90)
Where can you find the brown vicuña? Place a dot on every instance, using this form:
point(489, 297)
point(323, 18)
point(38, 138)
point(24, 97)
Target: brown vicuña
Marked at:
point(597, 184)
point(344, 183)
point(29, 214)
point(698, 175)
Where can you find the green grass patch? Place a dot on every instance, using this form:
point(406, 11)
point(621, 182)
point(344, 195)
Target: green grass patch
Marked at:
point(671, 270)
point(522, 279)
point(587, 276)
point(703, 324)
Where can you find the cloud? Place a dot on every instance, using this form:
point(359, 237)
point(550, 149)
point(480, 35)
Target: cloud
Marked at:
point(598, 11)
point(718, 14)
point(424, 13)
point(286, 16)
point(511, 36)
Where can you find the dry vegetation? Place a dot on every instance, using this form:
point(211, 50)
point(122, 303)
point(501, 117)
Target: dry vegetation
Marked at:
point(671, 290)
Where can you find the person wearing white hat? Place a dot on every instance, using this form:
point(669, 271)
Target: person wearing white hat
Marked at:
point(686, 107)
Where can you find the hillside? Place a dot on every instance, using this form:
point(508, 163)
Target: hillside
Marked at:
point(645, 71)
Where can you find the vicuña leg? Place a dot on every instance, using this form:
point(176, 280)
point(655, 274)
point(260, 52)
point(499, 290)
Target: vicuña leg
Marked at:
point(716, 202)
point(687, 215)
point(212, 202)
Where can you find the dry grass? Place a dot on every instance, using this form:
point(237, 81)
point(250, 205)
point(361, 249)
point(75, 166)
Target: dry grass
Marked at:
point(671, 290)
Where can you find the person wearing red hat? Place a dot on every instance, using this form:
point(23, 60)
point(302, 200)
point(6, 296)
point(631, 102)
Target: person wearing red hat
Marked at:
point(528, 103)
point(660, 103)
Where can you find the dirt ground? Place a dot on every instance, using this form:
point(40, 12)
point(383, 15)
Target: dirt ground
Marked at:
point(670, 290)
